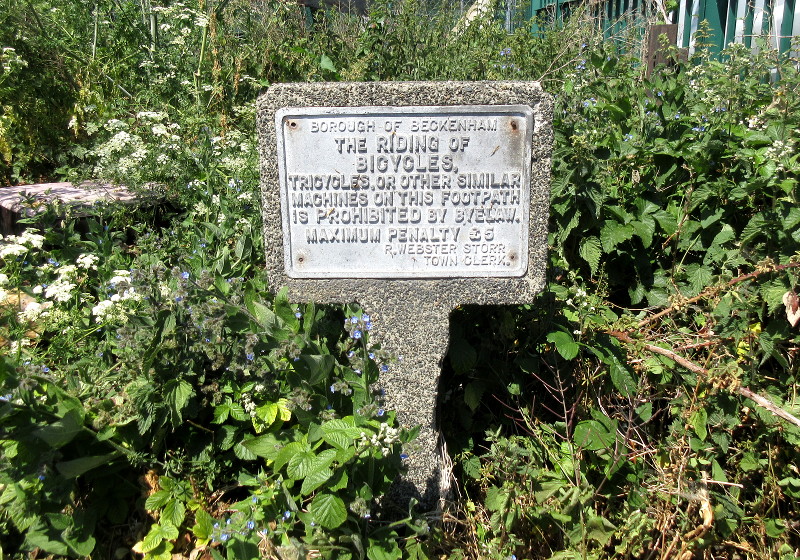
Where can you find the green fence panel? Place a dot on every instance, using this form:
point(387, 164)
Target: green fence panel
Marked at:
point(774, 23)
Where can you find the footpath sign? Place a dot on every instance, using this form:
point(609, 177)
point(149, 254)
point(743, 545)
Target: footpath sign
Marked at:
point(409, 198)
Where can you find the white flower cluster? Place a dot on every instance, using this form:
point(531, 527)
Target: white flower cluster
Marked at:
point(248, 405)
point(779, 150)
point(17, 245)
point(108, 311)
point(151, 139)
point(182, 19)
point(384, 439)
point(59, 290)
point(87, 261)
point(113, 309)
point(33, 310)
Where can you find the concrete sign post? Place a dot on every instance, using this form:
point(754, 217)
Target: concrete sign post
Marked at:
point(409, 198)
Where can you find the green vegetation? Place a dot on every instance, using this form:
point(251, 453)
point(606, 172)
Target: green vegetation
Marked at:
point(156, 400)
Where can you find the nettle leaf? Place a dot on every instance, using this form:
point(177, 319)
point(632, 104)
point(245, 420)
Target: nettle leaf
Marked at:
point(77, 467)
point(267, 412)
point(645, 229)
point(323, 460)
point(267, 446)
point(243, 452)
point(177, 393)
point(472, 394)
point(667, 221)
point(564, 343)
point(157, 500)
point(755, 227)
point(725, 234)
point(314, 480)
point(314, 368)
point(203, 525)
point(61, 432)
point(326, 63)
point(385, 549)
point(462, 355)
point(300, 464)
point(591, 251)
point(328, 510)
point(174, 512)
point(592, 435)
point(343, 426)
point(284, 412)
point(792, 218)
point(622, 377)
point(614, 233)
point(699, 423)
point(773, 294)
point(263, 315)
point(699, 277)
point(599, 529)
point(288, 451)
point(158, 533)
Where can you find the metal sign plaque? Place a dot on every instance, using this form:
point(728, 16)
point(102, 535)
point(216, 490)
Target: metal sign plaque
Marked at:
point(405, 192)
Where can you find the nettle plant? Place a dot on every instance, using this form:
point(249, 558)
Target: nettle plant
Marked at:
point(652, 381)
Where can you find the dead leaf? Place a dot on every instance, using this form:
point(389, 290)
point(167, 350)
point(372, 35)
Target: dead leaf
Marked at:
point(792, 303)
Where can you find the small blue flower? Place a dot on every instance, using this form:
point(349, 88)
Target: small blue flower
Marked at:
point(45, 369)
point(365, 318)
point(368, 325)
point(298, 314)
point(384, 368)
point(350, 354)
point(287, 514)
point(216, 525)
point(251, 525)
point(356, 334)
point(371, 355)
point(254, 499)
point(223, 537)
point(354, 320)
point(250, 356)
point(381, 412)
point(404, 456)
point(178, 298)
point(185, 275)
point(333, 388)
point(41, 477)
point(228, 521)
point(505, 52)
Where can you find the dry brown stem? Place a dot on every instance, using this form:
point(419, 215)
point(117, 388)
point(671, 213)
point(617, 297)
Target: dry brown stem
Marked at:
point(693, 367)
point(714, 289)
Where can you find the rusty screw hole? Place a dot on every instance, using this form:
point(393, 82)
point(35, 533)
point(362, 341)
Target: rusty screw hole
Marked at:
point(513, 125)
point(292, 124)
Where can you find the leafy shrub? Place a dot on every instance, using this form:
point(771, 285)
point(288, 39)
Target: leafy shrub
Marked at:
point(157, 398)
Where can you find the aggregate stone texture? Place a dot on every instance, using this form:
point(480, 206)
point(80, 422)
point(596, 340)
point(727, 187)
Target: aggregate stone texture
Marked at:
point(411, 316)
